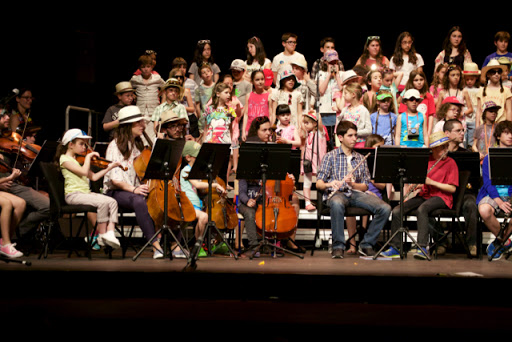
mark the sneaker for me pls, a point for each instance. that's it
(391, 252)
(94, 244)
(310, 207)
(337, 253)
(473, 250)
(421, 254)
(492, 247)
(110, 239)
(202, 253)
(157, 254)
(9, 251)
(220, 248)
(441, 250)
(179, 254)
(366, 251)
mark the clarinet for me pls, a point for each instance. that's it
(415, 186)
(350, 174)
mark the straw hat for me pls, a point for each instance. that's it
(438, 139)
(170, 116)
(123, 87)
(173, 82)
(129, 114)
(349, 75)
(471, 69)
(493, 64)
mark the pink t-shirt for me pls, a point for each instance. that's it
(257, 105)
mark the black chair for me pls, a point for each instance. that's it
(59, 208)
(456, 227)
(324, 210)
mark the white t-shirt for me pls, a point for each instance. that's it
(407, 67)
(281, 60)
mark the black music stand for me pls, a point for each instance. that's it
(468, 161)
(264, 161)
(165, 157)
(499, 173)
(211, 159)
(407, 165)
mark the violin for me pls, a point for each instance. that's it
(179, 207)
(99, 162)
(12, 142)
(223, 211)
(280, 215)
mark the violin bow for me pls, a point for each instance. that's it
(21, 139)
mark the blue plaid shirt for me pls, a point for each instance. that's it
(334, 167)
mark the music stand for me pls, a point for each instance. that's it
(264, 161)
(499, 173)
(165, 157)
(211, 158)
(468, 161)
(407, 165)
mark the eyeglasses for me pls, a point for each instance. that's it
(414, 99)
(27, 98)
(291, 42)
(372, 38)
(204, 41)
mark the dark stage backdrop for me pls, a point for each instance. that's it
(75, 59)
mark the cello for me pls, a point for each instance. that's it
(223, 211)
(179, 207)
(280, 215)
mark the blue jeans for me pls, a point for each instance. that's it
(379, 209)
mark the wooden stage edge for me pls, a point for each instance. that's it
(283, 297)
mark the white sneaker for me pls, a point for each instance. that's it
(157, 254)
(9, 251)
(110, 239)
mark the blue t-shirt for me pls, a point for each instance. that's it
(189, 190)
(383, 125)
(415, 123)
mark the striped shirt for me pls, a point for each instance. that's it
(335, 166)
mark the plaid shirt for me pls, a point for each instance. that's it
(334, 167)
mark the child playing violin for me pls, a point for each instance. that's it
(76, 183)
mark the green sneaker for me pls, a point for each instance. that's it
(202, 253)
(221, 248)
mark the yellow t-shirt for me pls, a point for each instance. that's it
(73, 182)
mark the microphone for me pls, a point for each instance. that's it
(8, 98)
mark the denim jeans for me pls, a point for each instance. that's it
(379, 209)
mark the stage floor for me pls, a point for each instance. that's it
(284, 296)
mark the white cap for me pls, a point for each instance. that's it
(72, 134)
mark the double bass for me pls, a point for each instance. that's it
(179, 207)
